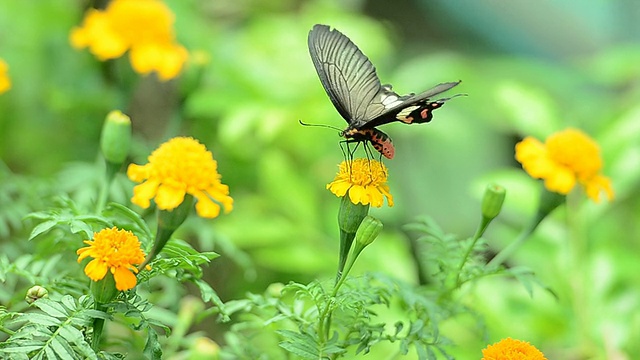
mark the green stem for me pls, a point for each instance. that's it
(110, 174)
(7, 330)
(479, 232)
(503, 255)
(98, 326)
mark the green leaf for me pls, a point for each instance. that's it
(302, 345)
(42, 319)
(51, 307)
(152, 349)
(42, 228)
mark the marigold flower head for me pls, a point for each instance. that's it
(567, 157)
(178, 167)
(144, 27)
(510, 349)
(365, 180)
(113, 250)
(5, 82)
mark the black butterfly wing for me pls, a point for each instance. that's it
(409, 108)
(347, 75)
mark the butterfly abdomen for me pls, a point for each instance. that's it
(379, 140)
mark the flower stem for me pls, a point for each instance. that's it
(479, 231)
(110, 174)
(98, 326)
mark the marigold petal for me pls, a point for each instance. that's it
(96, 269)
(358, 195)
(169, 196)
(220, 194)
(138, 173)
(205, 207)
(339, 187)
(375, 196)
(143, 193)
(598, 184)
(165, 59)
(125, 279)
(561, 181)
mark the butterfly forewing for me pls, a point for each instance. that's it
(346, 74)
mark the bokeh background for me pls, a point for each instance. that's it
(528, 67)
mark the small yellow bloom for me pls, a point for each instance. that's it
(5, 82)
(144, 27)
(113, 250)
(510, 349)
(566, 158)
(178, 167)
(365, 180)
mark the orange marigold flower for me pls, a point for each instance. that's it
(567, 157)
(510, 349)
(113, 250)
(144, 27)
(178, 167)
(5, 82)
(365, 180)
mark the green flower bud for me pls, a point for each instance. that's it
(35, 293)
(492, 201)
(350, 215)
(115, 139)
(104, 290)
(368, 231)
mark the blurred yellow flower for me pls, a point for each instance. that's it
(5, 82)
(510, 349)
(566, 158)
(365, 180)
(178, 167)
(116, 251)
(144, 27)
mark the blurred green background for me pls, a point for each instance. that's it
(529, 68)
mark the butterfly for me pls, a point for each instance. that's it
(353, 86)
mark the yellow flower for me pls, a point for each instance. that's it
(365, 180)
(116, 251)
(178, 167)
(510, 349)
(566, 158)
(144, 27)
(5, 82)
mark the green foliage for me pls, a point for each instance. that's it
(54, 332)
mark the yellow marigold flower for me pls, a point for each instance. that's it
(510, 349)
(365, 180)
(566, 158)
(164, 58)
(5, 82)
(116, 251)
(178, 167)
(144, 27)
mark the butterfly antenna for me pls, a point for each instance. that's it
(320, 125)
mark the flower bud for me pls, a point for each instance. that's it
(104, 290)
(350, 215)
(492, 201)
(35, 293)
(115, 139)
(368, 231)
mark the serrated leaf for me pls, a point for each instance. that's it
(74, 336)
(42, 319)
(62, 349)
(302, 345)
(21, 349)
(51, 307)
(152, 349)
(42, 228)
(77, 226)
(69, 302)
